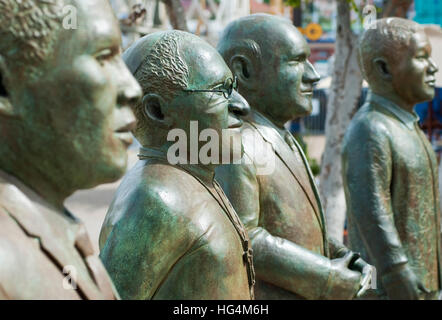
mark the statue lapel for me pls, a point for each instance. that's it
(28, 210)
(312, 182)
(283, 151)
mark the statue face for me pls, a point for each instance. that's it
(78, 112)
(413, 74)
(211, 109)
(287, 77)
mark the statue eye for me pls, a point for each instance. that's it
(219, 88)
(298, 59)
(422, 55)
(104, 55)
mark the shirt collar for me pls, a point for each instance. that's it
(407, 118)
(200, 171)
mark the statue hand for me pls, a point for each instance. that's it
(402, 284)
(345, 283)
(366, 270)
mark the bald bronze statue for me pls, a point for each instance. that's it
(170, 232)
(293, 256)
(65, 125)
(389, 167)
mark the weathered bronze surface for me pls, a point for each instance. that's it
(170, 232)
(282, 210)
(63, 121)
(389, 167)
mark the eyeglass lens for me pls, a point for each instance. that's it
(230, 85)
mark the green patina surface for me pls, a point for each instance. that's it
(65, 121)
(389, 167)
(170, 232)
(294, 257)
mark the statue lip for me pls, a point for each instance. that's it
(431, 82)
(130, 126)
(307, 90)
(124, 133)
(237, 124)
(125, 137)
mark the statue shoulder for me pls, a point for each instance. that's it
(151, 194)
(151, 216)
(154, 183)
(367, 124)
(168, 186)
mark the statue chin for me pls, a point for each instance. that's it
(114, 170)
(302, 110)
(429, 94)
(105, 172)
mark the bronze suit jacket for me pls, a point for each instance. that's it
(391, 186)
(170, 233)
(45, 254)
(282, 211)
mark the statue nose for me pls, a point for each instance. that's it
(130, 95)
(311, 75)
(433, 67)
(129, 91)
(238, 105)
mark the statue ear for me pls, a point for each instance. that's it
(382, 69)
(154, 106)
(6, 108)
(243, 68)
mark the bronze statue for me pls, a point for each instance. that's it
(389, 167)
(170, 232)
(293, 256)
(65, 125)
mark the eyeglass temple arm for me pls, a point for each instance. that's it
(202, 90)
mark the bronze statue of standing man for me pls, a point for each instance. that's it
(65, 122)
(170, 232)
(274, 191)
(389, 167)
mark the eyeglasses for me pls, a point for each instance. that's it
(226, 89)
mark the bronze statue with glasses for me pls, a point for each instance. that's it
(170, 232)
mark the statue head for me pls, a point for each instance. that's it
(270, 58)
(395, 59)
(184, 80)
(65, 115)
